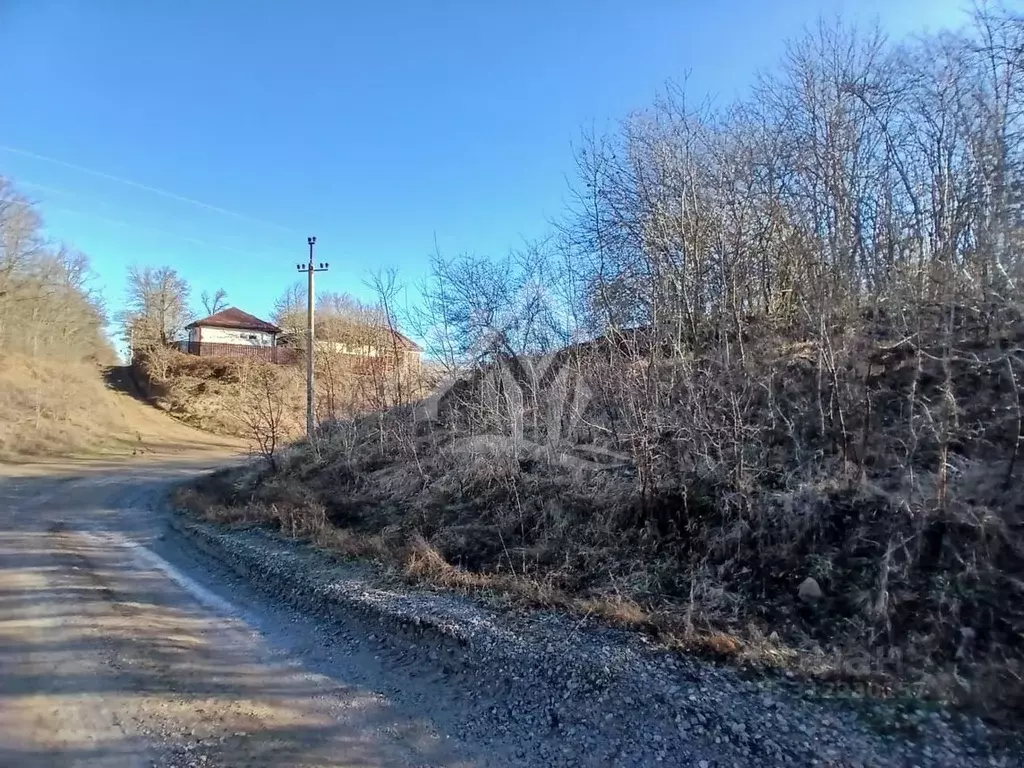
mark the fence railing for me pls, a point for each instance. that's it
(279, 355)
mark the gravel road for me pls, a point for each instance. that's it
(118, 649)
(122, 643)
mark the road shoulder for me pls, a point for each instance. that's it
(566, 687)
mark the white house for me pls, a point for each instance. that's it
(228, 328)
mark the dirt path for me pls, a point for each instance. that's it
(110, 655)
(154, 432)
(118, 647)
(121, 644)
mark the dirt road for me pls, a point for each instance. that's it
(121, 644)
(120, 647)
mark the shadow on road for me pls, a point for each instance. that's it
(103, 660)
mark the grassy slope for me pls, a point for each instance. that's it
(50, 409)
(209, 393)
(917, 587)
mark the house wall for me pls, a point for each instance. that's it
(367, 350)
(363, 350)
(410, 358)
(209, 335)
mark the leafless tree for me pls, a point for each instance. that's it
(156, 308)
(47, 308)
(290, 310)
(215, 303)
(264, 410)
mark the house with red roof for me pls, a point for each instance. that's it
(234, 333)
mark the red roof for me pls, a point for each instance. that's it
(412, 345)
(235, 318)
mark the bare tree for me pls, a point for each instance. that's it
(47, 308)
(215, 303)
(290, 309)
(349, 343)
(156, 308)
(264, 412)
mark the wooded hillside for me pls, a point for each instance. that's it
(760, 391)
(52, 341)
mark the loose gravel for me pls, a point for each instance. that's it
(551, 689)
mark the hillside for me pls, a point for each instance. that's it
(759, 391)
(709, 542)
(83, 410)
(60, 392)
(48, 408)
(248, 399)
(52, 345)
(214, 394)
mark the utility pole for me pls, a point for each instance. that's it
(310, 269)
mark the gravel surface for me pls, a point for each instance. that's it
(112, 655)
(545, 689)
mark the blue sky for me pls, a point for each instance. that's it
(376, 126)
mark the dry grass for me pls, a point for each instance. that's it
(50, 408)
(207, 392)
(215, 393)
(919, 565)
(414, 560)
(61, 409)
(411, 558)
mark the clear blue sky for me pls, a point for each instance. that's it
(373, 125)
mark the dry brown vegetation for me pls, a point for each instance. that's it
(361, 362)
(771, 342)
(52, 345)
(920, 583)
(265, 403)
(215, 394)
(49, 408)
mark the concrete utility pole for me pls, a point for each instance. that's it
(310, 269)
